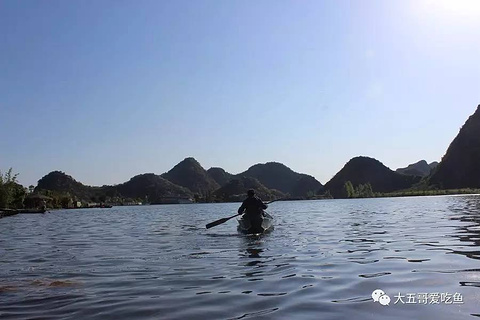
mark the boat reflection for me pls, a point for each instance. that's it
(254, 253)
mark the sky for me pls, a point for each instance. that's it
(105, 90)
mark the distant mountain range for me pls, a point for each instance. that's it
(365, 170)
(148, 186)
(459, 168)
(420, 168)
(189, 180)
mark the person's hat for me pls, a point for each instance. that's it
(251, 192)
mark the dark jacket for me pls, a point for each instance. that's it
(253, 206)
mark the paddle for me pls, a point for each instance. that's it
(220, 221)
(223, 220)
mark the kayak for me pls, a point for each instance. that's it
(245, 226)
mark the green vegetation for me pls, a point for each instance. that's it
(12, 194)
(421, 189)
(360, 191)
(348, 189)
(415, 193)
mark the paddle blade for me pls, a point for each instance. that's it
(216, 223)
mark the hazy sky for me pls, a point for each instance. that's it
(105, 90)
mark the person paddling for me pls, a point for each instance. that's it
(253, 208)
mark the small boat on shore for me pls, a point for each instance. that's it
(12, 212)
(31, 210)
(7, 212)
(244, 225)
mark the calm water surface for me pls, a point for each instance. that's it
(322, 261)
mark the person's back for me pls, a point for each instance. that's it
(253, 207)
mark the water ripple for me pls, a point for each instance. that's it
(323, 260)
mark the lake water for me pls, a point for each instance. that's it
(323, 261)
